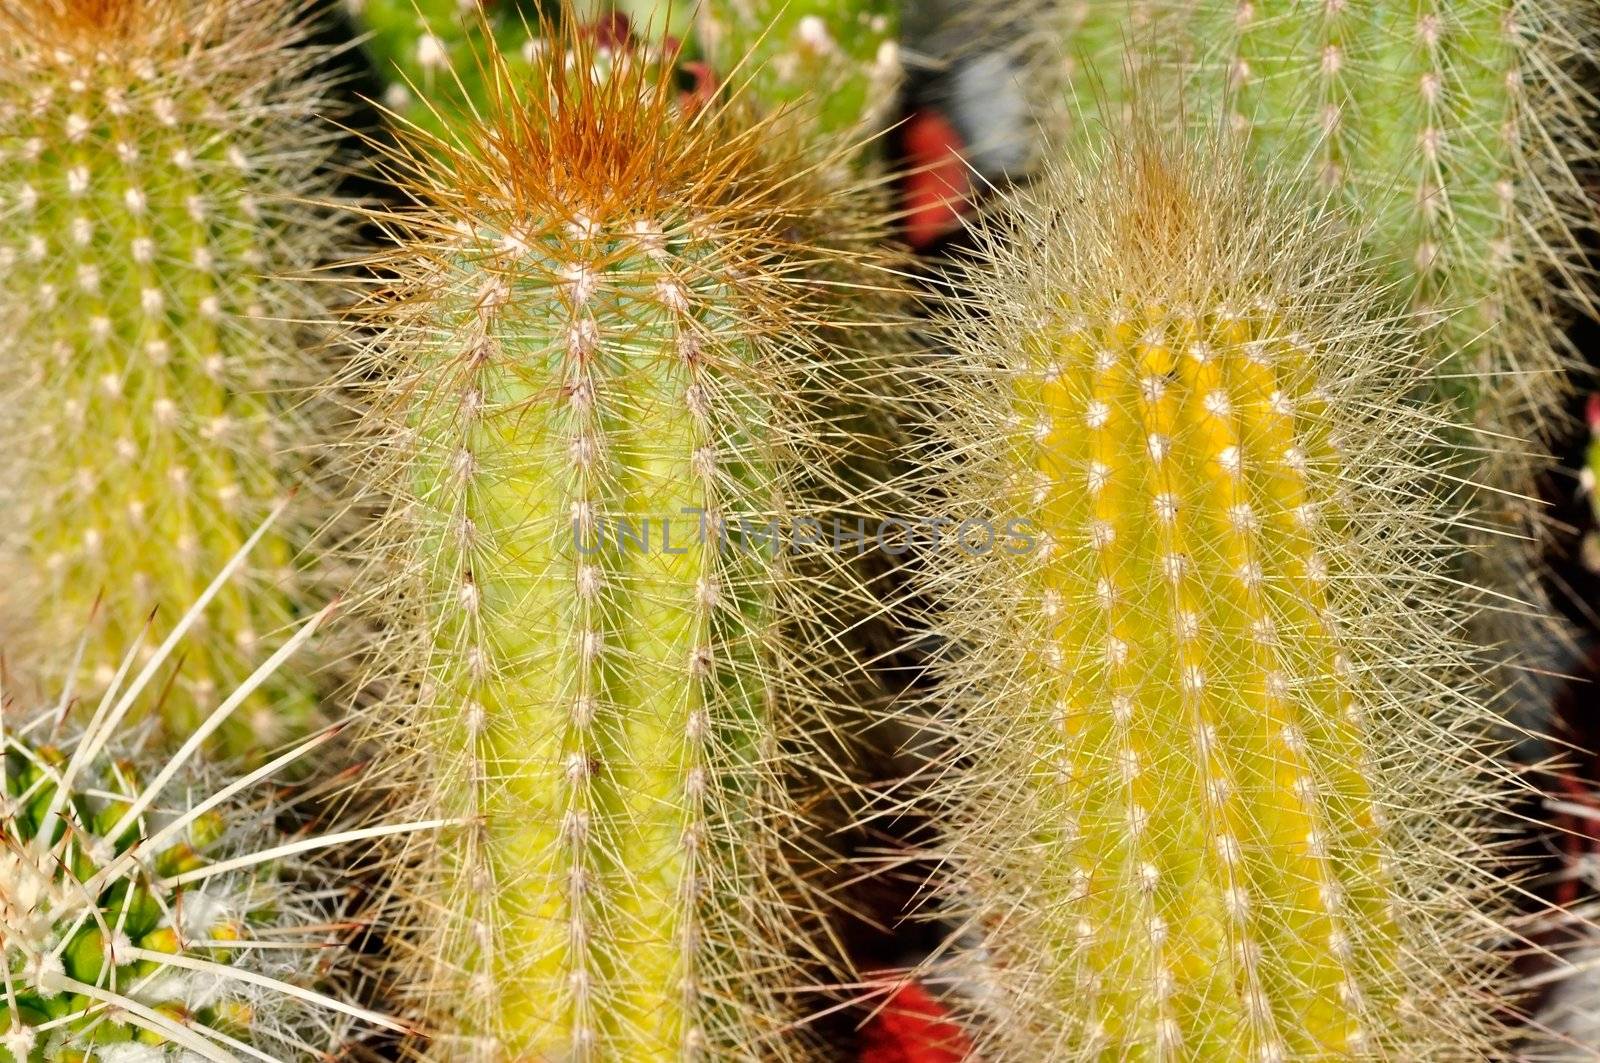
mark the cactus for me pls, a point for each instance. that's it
(1215, 783)
(155, 153)
(149, 909)
(595, 397)
(837, 60)
(1453, 131)
(423, 50)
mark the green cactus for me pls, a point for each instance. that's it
(596, 397)
(154, 153)
(1453, 131)
(423, 50)
(1215, 779)
(835, 59)
(150, 911)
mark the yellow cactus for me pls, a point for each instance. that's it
(1210, 697)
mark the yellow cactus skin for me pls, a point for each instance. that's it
(607, 320)
(1207, 703)
(152, 150)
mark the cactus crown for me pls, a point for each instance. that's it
(1217, 772)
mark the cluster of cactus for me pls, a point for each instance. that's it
(1456, 135)
(836, 59)
(617, 450)
(158, 156)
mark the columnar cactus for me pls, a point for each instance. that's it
(149, 909)
(1213, 786)
(596, 396)
(152, 156)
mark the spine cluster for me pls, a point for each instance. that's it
(152, 156)
(1200, 728)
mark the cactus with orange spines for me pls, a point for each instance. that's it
(157, 160)
(596, 388)
(1214, 777)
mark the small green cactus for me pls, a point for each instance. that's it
(596, 396)
(150, 910)
(423, 50)
(152, 158)
(838, 60)
(1215, 775)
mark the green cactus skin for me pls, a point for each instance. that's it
(150, 911)
(151, 153)
(1215, 786)
(1453, 131)
(608, 321)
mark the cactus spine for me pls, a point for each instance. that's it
(152, 153)
(1213, 790)
(599, 366)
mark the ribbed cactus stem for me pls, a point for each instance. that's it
(1419, 118)
(1209, 763)
(1176, 768)
(151, 147)
(597, 370)
(579, 661)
